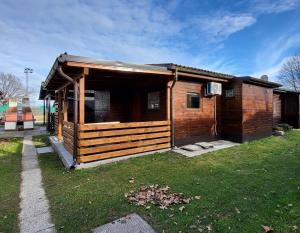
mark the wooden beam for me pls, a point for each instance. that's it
(168, 99)
(199, 76)
(117, 153)
(81, 99)
(116, 68)
(59, 112)
(65, 104)
(109, 125)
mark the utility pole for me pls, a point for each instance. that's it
(27, 71)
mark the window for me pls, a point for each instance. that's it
(229, 93)
(154, 100)
(193, 100)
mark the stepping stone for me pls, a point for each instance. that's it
(191, 148)
(204, 145)
(132, 223)
(44, 150)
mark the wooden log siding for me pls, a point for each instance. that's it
(68, 136)
(102, 141)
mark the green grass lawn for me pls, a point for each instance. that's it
(10, 178)
(241, 189)
(41, 140)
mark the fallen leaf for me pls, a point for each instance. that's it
(267, 229)
(237, 210)
(294, 228)
(181, 208)
(131, 180)
(209, 228)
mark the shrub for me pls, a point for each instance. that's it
(284, 127)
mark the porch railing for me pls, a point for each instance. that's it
(68, 135)
(102, 141)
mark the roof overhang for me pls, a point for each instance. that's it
(259, 82)
(284, 90)
(71, 61)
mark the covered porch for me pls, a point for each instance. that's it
(109, 109)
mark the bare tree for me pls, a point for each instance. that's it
(289, 74)
(10, 86)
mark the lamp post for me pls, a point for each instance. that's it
(27, 71)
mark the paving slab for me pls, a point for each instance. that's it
(205, 145)
(217, 145)
(44, 150)
(191, 147)
(34, 216)
(132, 223)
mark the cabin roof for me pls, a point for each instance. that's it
(194, 70)
(97, 63)
(286, 90)
(161, 69)
(259, 82)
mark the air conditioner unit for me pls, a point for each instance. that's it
(213, 88)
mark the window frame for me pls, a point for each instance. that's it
(187, 100)
(158, 99)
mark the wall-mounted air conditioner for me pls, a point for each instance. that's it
(213, 88)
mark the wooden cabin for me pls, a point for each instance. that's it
(108, 109)
(286, 107)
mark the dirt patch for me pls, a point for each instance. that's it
(3, 141)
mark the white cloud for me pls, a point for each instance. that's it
(221, 26)
(272, 71)
(274, 53)
(274, 6)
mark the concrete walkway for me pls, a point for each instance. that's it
(34, 216)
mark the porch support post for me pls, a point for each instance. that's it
(65, 104)
(44, 112)
(56, 114)
(172, 109)
(168, 104)
(59, 112)
(81, 95)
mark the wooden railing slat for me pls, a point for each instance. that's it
(112, 154)
(125, 145)
(119, 132)
(91, 142)
(87, 127)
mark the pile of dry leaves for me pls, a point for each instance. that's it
(156, 195)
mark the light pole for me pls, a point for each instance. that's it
(27, 71)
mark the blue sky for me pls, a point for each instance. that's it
(237, 37)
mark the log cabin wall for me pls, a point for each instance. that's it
(277, 108)
(192, 125)
(257, 105)
(232, 113)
